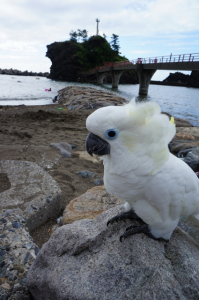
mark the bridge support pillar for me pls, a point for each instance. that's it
(144, 76)
(100, 77)
(115, 78)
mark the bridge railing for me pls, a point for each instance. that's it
(193, 57)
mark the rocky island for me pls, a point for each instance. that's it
(71, 60)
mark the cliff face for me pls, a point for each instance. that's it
(71, 60)
(194, 79)
(181, 79)
(65, 64)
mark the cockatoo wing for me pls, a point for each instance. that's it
(173, 191)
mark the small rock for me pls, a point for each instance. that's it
(34, 207)
(29, 246)
(184, 135)
(2, 220)
(6, 286)
(59, 220)
(16, 224)
(2, 253)
(8, 212)
(86, 156)
(177, 146)
(36, 250)
(2, 272)
(2, 264)
(18, 287)
(4, 297)
(98, 182)
(3, 280)
(83, 174)
(89, 205)
(26, 258)
(23, 281)
(190, 157)
(19, 268)
(192, 131)
(65, 148)
(16, 239)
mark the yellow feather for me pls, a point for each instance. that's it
(172, 121)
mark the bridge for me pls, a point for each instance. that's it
(146, 67)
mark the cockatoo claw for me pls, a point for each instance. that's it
(130, 215)
(133, 229)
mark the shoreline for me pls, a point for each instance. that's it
(46, 74)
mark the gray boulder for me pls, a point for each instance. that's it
(191, 157)
(86, 261)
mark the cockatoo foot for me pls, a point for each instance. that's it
(133, 229)
(130, 215)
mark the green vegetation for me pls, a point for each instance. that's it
(115, 42)
(80, 34)
(94, 51)
(72, 59)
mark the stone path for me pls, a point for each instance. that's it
(78, 97)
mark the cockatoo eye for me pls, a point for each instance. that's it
(111, 134)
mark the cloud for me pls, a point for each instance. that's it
(143, 26)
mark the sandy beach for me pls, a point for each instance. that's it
(26, 133)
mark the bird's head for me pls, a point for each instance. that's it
(129, 129)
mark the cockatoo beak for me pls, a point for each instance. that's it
(96, 145)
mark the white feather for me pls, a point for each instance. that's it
(141, 170)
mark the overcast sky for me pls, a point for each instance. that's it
(146, 28)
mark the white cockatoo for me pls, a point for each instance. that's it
(156, 186)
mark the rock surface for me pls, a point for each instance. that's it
(89, 205)
(85, 260)
(191, 157)
(192, 131)
(185, 138)
(32, 190)
(17, 252)
(28, 197)
(76, 97)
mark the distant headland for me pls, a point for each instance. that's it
(180, 79)
(22, 73)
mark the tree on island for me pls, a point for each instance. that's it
(115, 43)
(80, 34)
(73, 36)
(83, 34)
(104, 36)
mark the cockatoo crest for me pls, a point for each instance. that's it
(141, 129)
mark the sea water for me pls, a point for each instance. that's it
(180, 102)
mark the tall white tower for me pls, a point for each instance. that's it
(97, 20)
